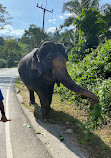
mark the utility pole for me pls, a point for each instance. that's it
(44, 11)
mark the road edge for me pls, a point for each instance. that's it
(49, 138)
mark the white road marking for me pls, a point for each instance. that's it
(7, 128)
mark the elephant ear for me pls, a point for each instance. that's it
(36, 65)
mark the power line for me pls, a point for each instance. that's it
(46, 4)
(44, 11)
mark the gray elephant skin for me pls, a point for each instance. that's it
(42, 68)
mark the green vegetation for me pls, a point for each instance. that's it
(93, 73)
(4, 16)
(88, 46)
(11, 52)
(73, 116)
(91, 23)
(75, 7)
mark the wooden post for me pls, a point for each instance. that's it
(44, 11)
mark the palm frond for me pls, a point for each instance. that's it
(85, 3)
(69, 21)
(95, 3)
(72, 6)
(75, 7)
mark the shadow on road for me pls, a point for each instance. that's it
(93, 146)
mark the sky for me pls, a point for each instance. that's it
(25, 13)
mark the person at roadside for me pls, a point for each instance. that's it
(3, 119)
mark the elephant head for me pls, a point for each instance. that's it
(50, 63)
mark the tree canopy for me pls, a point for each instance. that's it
(75, 7)
(4, 16)
(91, 23)
(34, 36)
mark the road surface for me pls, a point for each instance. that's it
(18, 141)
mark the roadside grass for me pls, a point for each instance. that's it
(96, 144)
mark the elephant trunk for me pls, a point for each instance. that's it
(61, 74)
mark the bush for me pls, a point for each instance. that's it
(10, 62)
(104, 92)
(93, 73)
(3, 63)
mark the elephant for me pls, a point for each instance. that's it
(42, 68)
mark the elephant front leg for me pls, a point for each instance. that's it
(45, 105)
(32, 98)
(45, 96)
(45, 108)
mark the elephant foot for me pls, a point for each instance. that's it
(37, 113)
(46, 115)
(42, 114)
(44, 118)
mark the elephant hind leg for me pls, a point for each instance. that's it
(32, 98)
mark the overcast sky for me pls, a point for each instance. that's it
(25, 13)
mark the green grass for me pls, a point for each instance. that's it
(96, 144)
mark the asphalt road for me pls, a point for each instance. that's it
(18, 141)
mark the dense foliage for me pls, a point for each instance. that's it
(11, 52)
(75, 7)
(91, 23)
(93, 73)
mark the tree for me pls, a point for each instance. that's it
(67, 38)
(3, 63)
(56, 36)
(106, 13)
(11, 52)
(34, 36)
(4, 16)
(2, 41)
(91, 23)
(75, 8)
(23, 48)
